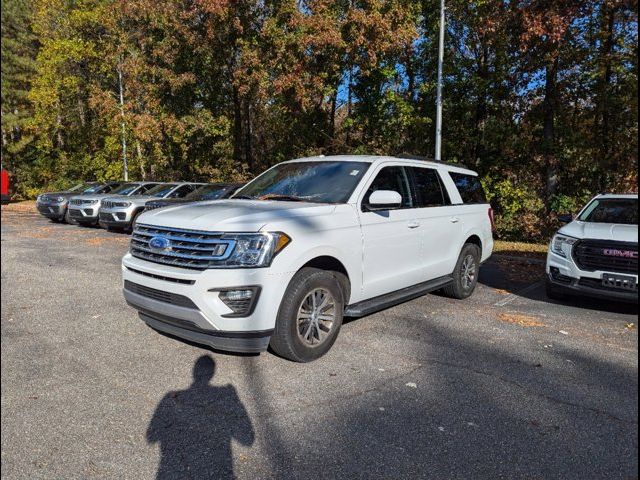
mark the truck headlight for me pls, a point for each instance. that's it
(561, 245)
(253, 249)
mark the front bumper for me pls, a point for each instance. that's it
(116, 217)
(191, 308)
(55, 211)
(564, 276)
(82, 214)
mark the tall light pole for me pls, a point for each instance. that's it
(124, 128)
(438, 155)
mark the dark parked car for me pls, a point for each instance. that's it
(211, 191)
(55, 205)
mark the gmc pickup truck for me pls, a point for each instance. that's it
(305, 244)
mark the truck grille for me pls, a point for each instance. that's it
(153, 206)
(184, 248)
(160, 295)
(592, 255)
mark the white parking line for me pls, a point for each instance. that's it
(512, 296)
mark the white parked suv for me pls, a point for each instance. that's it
(304, 244)
(596, 254)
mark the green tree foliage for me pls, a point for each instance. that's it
(540, 96)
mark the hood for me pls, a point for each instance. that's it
(601, 231)
(232, 215)
(173, 201)
(93, 196)
(61, 194)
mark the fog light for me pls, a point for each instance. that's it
(241, 300)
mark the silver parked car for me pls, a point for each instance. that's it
(84, 208)
(118, 212)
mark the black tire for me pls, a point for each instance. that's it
(135, 216)
(461, 288)
(68, 219)
(552, 292)
(286, 340)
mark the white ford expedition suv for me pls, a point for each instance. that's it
(304, 244)
(596, 255)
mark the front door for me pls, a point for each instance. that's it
(391, 238)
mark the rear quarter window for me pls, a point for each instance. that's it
(469, 187)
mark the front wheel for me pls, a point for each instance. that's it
(68, 219)
(310, 315)
(465, 275)
(552, 292)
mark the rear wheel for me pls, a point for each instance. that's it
(465, 275)
(310, 315)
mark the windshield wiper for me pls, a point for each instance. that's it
(286, 198)
(242, 197)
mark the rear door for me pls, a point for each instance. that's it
(440, 227)
(391, 238)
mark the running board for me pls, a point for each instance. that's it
(387, 300)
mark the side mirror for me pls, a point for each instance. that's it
(384, 200)
(567, 218)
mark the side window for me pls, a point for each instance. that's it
(469, 187)
(392, 178)
(428, 188)
(181, 191)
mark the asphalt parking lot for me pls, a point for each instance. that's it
(504, 385)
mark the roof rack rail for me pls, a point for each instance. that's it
(408, 156)
(618, 193)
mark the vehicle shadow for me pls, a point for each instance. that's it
(195, 428)
(526, 279)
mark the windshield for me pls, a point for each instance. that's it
(161, 190)
(94, 188)
(623, 211)
(80, 187)
(208, 192)
(126, 189)
(318, 182)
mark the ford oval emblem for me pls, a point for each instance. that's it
(160, 243)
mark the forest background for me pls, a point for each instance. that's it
(540, 97)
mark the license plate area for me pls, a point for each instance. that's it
(621, 282)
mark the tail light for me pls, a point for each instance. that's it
(492, 220)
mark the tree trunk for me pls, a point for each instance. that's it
(237, 127)
(605, 82)
(143, 167)
(549, 136)
(248, 136)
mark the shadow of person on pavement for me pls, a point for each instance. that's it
(195, 427)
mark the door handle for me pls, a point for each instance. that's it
(454, 219)
(413, 224)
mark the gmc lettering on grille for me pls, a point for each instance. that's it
(610, 252)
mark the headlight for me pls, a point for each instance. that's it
(93, 202)
(252, 249)
(561, 245)
(60, 199)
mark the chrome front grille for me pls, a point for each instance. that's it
(181, 248)
(114, 204)
(80, 201)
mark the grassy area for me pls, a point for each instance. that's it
(532, 250)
